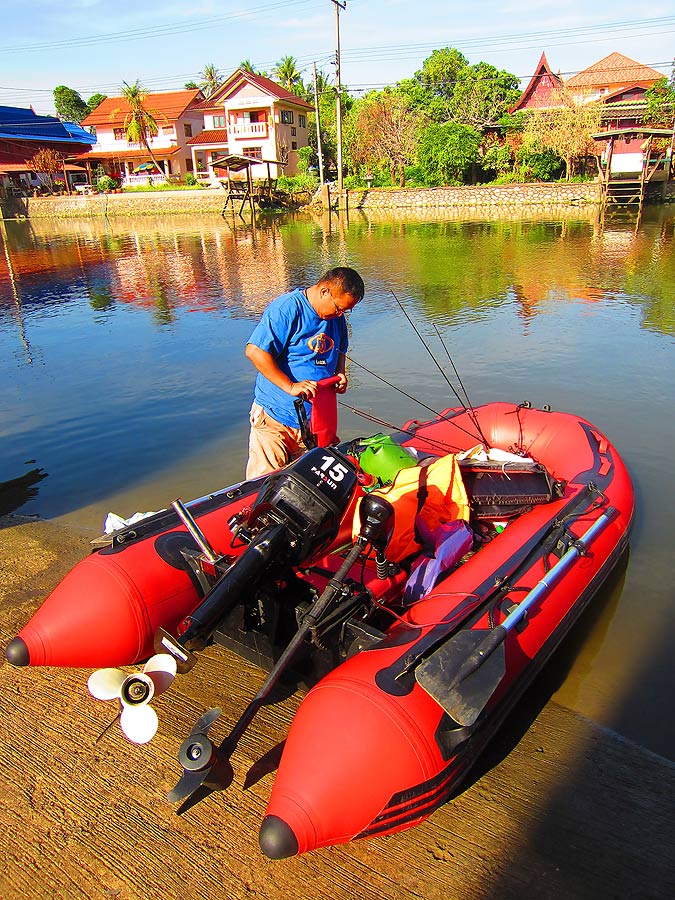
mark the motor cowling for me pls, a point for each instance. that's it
(309, 497)
(296, 515)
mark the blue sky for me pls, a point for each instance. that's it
(94, 45)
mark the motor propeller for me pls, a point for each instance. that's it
(205, 767)
(134, 691)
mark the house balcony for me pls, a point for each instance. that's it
(247, 130)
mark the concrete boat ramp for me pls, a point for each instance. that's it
(558, 808)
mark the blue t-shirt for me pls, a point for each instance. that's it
(304, 346)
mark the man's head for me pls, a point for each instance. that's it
(339, 290)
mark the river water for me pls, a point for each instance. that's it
(124, 381)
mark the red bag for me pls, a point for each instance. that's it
(323, 420)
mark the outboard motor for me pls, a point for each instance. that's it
(296, 515)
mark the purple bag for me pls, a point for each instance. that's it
(442, 548)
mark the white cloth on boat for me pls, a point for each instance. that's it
(494, 454)
(113, 522)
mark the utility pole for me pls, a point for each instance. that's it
(318, 128)
(338, 108)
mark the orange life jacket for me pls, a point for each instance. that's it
(434, 492)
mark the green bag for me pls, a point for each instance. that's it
(380, 456)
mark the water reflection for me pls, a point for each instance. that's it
(121, 358)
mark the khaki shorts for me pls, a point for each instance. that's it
(271, 445)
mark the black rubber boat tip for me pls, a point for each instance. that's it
(276, 838)
(16, 652)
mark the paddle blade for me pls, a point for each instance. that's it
(463, 690)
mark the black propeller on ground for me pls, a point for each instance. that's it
(205, 769)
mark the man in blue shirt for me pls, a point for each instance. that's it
(300, 339)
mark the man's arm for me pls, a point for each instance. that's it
(266, 364)
(341, 386)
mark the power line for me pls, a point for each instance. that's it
(505, 43)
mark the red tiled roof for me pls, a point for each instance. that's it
(265, 84)
(129, 154)
(614, 69)
(6, 168)
(164, 107)
(214, 136)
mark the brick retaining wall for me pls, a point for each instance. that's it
(513, 196)
(504, 199)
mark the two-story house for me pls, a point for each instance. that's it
(179, 118)
(252, 116)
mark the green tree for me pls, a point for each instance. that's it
(191, 86)
(482, 94)
(446, 152)
(567, 129)
(211, 80)
(328, 117)
(661, 101)
(96, 100)
(431, 88)
(286, 72)
(69, 105)
(140, 123)
(247, 66)
(385, 129)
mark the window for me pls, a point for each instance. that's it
(167, 129)
(287, 116)
(188, 129)
(219, 121)
(302, 120)
(188, 164)
(294, 131)
(253, 152)
(119, 134)
(294, 145)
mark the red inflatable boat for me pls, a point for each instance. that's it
(419, 610)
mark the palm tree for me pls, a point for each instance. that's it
(247, 66)
(287, 73)
(211, 80)
(140, 123)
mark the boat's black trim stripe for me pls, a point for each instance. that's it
(409, 805)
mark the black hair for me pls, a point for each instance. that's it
(348, 280)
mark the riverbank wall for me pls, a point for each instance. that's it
(503, 198)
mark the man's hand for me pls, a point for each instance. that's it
(341, 386)
(306, 389)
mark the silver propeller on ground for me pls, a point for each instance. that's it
(138, 719)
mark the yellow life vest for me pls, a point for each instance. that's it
(435, 492)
